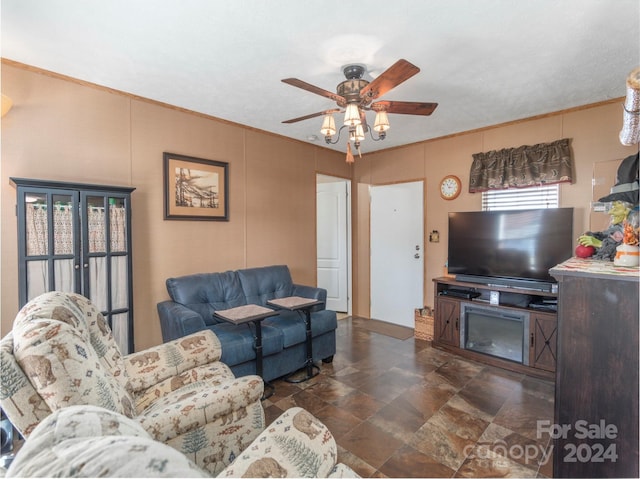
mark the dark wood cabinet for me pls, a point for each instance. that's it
(540, 347)
(596, 402)
(446, 324)
(77, 238)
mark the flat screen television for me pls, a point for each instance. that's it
(511, 248)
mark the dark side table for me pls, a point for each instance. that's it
(255, 314)
(303, 305)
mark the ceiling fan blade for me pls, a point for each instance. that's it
(312, 115)
(405, 107)
(317, 90)
(400, 71)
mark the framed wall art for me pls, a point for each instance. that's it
(195, 189)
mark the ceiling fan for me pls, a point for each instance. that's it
(356, 95)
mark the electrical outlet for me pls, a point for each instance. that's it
(494, 297)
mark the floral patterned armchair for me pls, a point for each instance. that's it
(61, 353)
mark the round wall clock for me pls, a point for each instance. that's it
(450, 187)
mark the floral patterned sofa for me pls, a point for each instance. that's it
(88, 441)
(61, 353)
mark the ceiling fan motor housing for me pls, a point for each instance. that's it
(352, 72)
(350, 89)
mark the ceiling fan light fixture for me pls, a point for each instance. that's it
(358, 134)
(328, 125)
(381, 123)
(355, 95)
(352, 115)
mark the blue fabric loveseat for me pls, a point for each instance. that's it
(194, 299)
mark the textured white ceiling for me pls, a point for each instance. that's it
(484, 61)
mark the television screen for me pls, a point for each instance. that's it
(514, 245)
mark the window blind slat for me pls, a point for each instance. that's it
(546, 196)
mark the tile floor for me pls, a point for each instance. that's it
(400, 408)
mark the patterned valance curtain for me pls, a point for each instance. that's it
(545, 163)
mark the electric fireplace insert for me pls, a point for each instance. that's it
(498, 332)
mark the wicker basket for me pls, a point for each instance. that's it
(424, 325)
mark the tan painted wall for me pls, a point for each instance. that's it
(64, 130)
(594, 137)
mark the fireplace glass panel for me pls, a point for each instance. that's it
(495, 333)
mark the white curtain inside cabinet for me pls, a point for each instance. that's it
(37, 244)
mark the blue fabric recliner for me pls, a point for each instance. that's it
(194, 299)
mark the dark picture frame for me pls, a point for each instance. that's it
(195, 188)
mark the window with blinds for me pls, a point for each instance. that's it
(535, 197)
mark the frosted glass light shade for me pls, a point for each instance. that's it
(352, 115)
(359, 133)
(381, 122)
(328, 126)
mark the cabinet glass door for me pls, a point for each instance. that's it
(51, 242)
(65, 242)
(107, 261)
(119, 253)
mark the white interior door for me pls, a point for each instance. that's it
(397, 260)
(333, 240)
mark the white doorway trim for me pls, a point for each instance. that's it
(336, 225)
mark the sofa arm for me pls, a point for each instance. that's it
(88, 441)
(176, 320)
(311, 292)
(179, 412)
(149, 367)
(296, 444)
(18, 391)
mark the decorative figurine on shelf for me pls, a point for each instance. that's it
(623, 197)
(605, 242)
(628, 253)
(627, 187)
